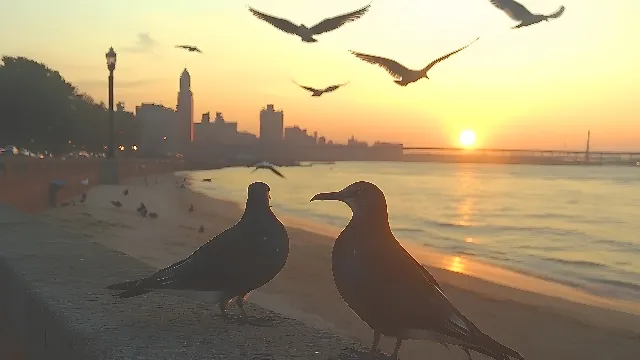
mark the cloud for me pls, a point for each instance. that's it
(144, 44)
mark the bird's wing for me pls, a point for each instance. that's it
(335, 22)
(557, 14)
(275, 171)
(282, 24)
(333, 87)
(394, 68)
(515, 10)
(196, 49)
(308, 88)
(436, 61)
(182, 46)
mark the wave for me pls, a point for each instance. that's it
(582, 263)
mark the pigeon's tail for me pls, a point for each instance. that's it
(485, 345)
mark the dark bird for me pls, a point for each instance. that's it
(305, 33)
(318, 92)
(83, 198)
(518, 12)
(116, 203)
(266, 165)
(142, 209)
(201, 229)
(403, 75)
(191, 208)
(232, 264)
(153, 215)
(388, 289)
(189, 48)
(125, 192)
(206, 180)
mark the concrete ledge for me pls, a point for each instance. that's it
(52, 291)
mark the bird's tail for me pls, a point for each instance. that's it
(485, 345)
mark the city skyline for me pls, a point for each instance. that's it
(540, 87)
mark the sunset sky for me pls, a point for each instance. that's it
(542, 86)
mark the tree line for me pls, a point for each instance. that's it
(41, 111)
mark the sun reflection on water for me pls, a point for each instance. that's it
(456, 264)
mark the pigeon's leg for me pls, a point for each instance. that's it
(243, 314)
(374, 345)
(396, 349)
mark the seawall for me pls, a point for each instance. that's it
(52, 291)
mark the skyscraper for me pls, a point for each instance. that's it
(185, 110)
(271, 125)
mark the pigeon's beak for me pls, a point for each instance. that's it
(334, 195)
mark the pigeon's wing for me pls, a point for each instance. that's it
(436, 61)
(394, 68)
(335, 22)
(275, 171)
(557, 14)
(333, 87)
(308, 88)
(282, 24)
(515, 10)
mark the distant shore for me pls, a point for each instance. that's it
(539, 326)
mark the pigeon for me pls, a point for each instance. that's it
(83, 198)
(116, 203)
(201, 229)
(403, 75)
(266, 165)
(142, 210)
(153, 215)
(125, 192)
(84, 182)
(189, 48)
(518, 12)
(206, 180)
(191, 208)
(391, 291)
(318, 92)
(232, 264)
(305, 33)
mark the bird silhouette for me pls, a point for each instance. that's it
(518, 12)
(189, 48)
(83, 198)
(305, 33)
(232, 264)
(388, 289)
(266, 165)
(402, 74)
(319, 92)
(206, 180)
(125, 192)
(142, 210)
(116, 203)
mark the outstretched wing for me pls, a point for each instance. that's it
(196, 49)
(557, 14)
(434, 62)
(515, 10)
(282, 24)
(308, 88)
(182, 46)
(334, 87)
(333, 23)
(394, 68)
(276, 171)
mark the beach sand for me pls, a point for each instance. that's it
(538, 326)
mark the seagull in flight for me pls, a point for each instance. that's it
(518, 12)
(266, 165)
(305, 33)
(319, 92)
(189, 48)
(401, 73)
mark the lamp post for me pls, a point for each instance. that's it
(111, 65)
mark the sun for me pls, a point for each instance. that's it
(467, 138)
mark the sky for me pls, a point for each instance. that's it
(542, 86)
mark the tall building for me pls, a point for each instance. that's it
(185, 111)
(159, 127)
(271, 125)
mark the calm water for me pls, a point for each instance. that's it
(574, 225)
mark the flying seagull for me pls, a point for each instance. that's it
(403, 75)
(266, 165)
(518, 12)
(189, 48)
(232, 264)
(368, 261)
(305, 33)
(318, 92)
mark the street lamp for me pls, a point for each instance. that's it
(111, 65)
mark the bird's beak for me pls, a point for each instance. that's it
(334, 195)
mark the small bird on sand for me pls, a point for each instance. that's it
(83, 198)
(319, 92)
(388, 289)
(125, 192)
(235, 262)
(189, 48)
(153, 215)
(207, 180)
(116, 203)
(142, 209)
(266, 165)
(305, 33)
(518, 12)
(402, 74)
(191, 208)
(201, 229)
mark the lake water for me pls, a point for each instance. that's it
(570, 224)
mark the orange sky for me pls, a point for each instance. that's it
(537, 87)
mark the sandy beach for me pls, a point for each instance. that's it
(538, 326)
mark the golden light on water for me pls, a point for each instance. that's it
(456, 264)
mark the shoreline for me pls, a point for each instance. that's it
(539, 326)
